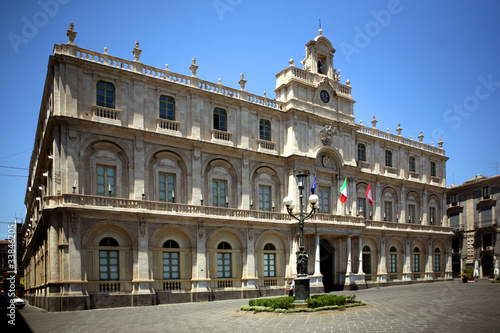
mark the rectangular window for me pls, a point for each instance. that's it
(454, 199)
(105, 94)
(455, 220)
(392, 263)
(167, 107)
(166, 186)
(412, 167)
(361, 152)
(433, 169)
(432, 215)
(437, 262)
(171, 265)
(265, 198)
(105, 180)
(108, 265)
(387, 210)
(411, 214)
(416, 262)
(486, 192)
(220, 119)
(219, 193)
(324, 200)
(265, 130)
(388, 158)
(361, 206)
(269, 265)
(223, 265)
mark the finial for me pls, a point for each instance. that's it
(387, 129)
(136, 51)
(399, 129)
(105, 50)
(71, 34)
(290, 61)
(348, 82)
(361, 121)
(242, 81)
(166, 68)
(193, 67)
(421, 137)
(374, 122)
(320, 31)
(265, 94)
(440, 143)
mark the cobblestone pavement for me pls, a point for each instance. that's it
(450, 306)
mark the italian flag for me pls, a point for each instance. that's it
(343, 192)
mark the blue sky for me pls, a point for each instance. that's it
(433, 66)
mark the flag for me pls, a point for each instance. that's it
(313, 186)
(369, 194)
(343, 192)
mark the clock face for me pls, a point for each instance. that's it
(325, 97)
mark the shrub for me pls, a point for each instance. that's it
(326, 300)
(274, 303)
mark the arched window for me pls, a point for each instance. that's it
(361, 152)
(367, 260)
(416, 259)
(167, 107)
(388, 158)
(220, 119)
(108, 241)
(265, 130)
(269, 261)
(105, 94)
(224, 261)
(108, 260)
(437, 260)
(393, 256)
(171, 261)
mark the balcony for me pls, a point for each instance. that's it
(485, 224)
(267, 146)
(167, 126)
(222, 137)
(106, 115)
(121, 205)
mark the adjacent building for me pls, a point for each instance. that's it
(148, 186)
(472, 212)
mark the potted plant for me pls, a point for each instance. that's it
(467, 275)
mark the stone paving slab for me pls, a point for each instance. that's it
(450, 306)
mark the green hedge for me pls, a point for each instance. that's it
(318, 301)
(274, 303)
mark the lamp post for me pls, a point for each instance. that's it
(302, 289)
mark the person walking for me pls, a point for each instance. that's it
(291, 287)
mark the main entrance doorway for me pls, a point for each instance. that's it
(326, 253)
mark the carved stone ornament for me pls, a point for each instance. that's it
(142, 226)
(71, 34)
(325, 160)
(74, 224)
(136, 51)
(328, 131)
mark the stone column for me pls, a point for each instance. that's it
(428, 267)
(200, 281)
(360, 267)
(407, 269)
(142, 283)
(378, 201)
(249, 271)
(348, 269)
(382, 266)
(317, 259)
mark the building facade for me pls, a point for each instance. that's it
(472, 212)
(148, 186)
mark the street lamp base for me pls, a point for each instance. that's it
(302, 289)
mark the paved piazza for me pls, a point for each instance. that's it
(450, 306)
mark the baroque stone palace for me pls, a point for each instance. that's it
(148, 186)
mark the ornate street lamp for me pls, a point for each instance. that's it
(302, 289)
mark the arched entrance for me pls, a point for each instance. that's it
(326, 253)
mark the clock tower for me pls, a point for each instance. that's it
(316, 87)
